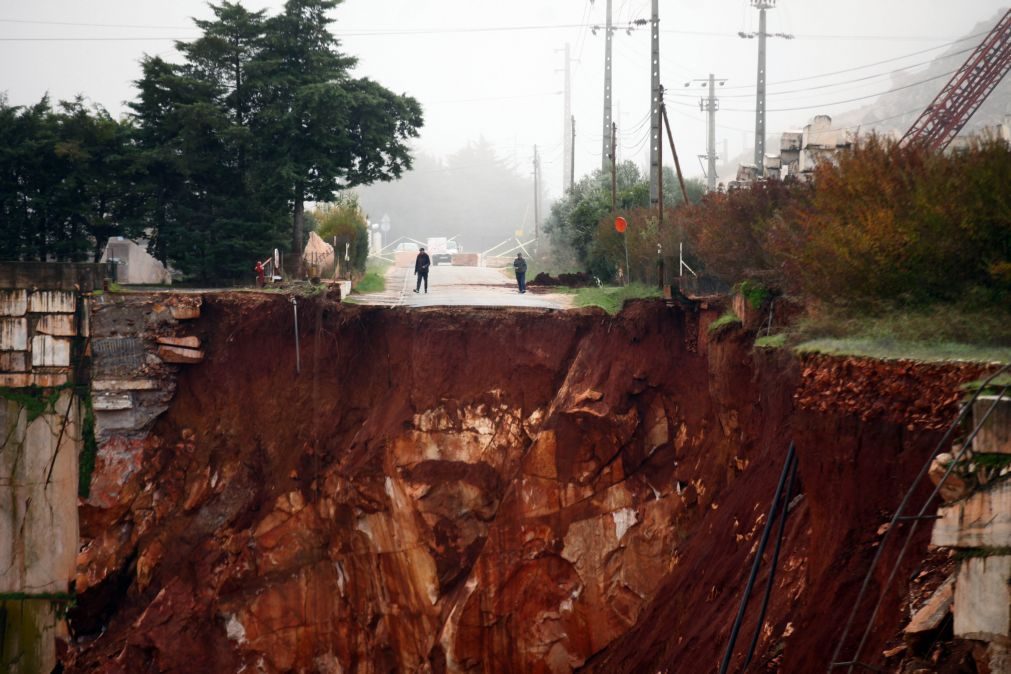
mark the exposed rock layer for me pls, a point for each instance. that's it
(487, 491)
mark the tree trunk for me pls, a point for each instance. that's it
(297, 223)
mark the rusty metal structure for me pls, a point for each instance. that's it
(965, 91)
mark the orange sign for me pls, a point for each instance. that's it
(620, 224)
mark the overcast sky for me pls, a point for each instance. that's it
(495, 69)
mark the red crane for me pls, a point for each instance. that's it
(965, 92)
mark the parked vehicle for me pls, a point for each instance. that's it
(441, 250)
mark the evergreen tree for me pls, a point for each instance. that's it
(323, 131)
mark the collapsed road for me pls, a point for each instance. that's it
(461, 286)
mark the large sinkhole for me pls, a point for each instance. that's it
(486, 490)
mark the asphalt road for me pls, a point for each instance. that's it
(460, 286)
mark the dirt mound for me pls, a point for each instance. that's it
(480, 490)
(576, 280)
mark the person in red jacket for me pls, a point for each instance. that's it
(260, 280)
(421, 265)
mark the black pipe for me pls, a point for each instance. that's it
(758, 560)
(775, 563)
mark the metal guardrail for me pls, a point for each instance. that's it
(854, 661)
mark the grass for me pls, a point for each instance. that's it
(771, 341)
(612, 299)
(725, 321)
(892, 350)
(374, 280)
(994, 387)
(113, 288)
(929, 334)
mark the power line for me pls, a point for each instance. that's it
(93, 25)
(843, 82)
(494, 98)
(868, 65)
(852, 100)
(96, 39)
(380, 32)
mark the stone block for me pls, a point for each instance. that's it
(125, 385)
(52, 302)
(38, 525)
(13, 334)
(954, 486)
(59, 325)
(13, 361)
(982, 520)
(176, 354)
(466, 259)
(13, 302)
(982, 600)
(107, 402)
(20, 380)
(928, 618)
(49, 351)
(185, 308)
(50, 379)
(189, 342)
(127, 419)
(994, 437)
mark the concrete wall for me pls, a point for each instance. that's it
(37, 329)
(40, 317)
(52, 275)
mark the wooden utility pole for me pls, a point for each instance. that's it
(673, 150)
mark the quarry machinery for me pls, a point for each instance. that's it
(965, 91)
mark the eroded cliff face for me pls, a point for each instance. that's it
(486, 491)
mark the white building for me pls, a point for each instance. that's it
(134, 265)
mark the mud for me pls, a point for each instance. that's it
(490, 491)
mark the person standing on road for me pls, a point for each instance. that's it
(520, 265)
(421, 265)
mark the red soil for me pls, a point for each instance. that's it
(494, 490)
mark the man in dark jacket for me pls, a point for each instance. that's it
(520, 265)
(421, 265)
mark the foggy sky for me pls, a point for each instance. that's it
(505, 85)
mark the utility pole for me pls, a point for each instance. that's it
(569, 129)
(608, 38)
(761, 6)
(710, 105)
(617, 154)
(572, 157)
(537, 194)
(614, 167)
(655, 93)
(659, 168)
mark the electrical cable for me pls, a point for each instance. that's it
(835, 84)
(865, 66)
(850, 100)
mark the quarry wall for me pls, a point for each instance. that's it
(489, 490)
